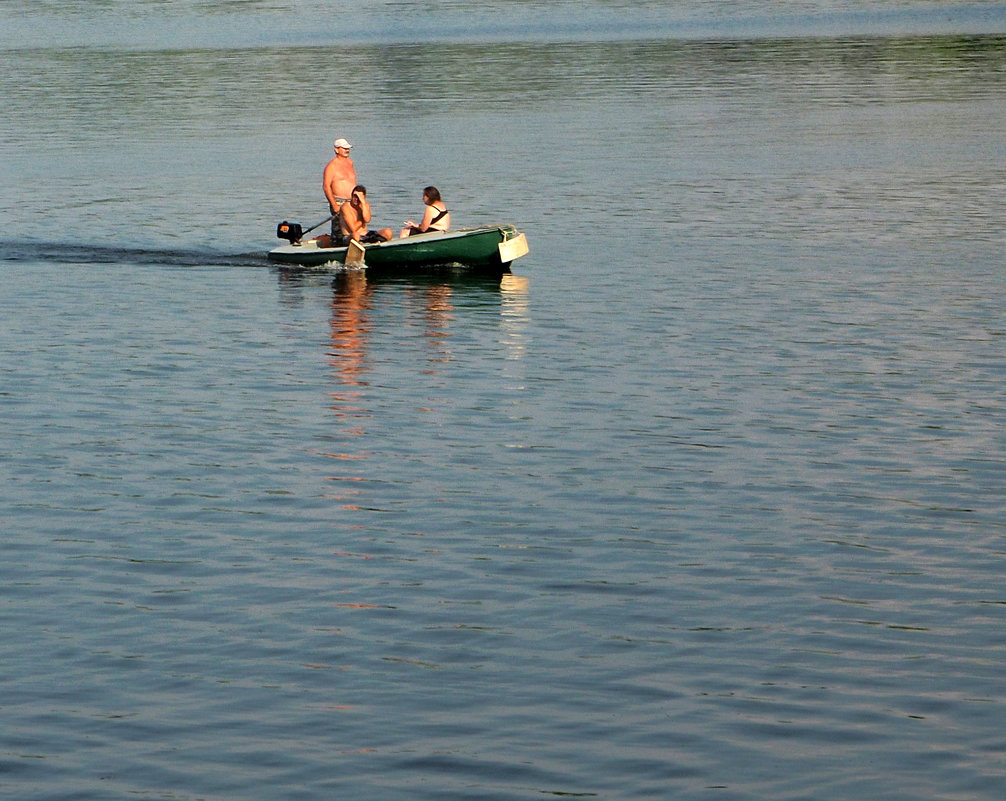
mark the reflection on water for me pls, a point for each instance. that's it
(373, 321)
(431, 301)
(514, 314)
(437, 317)
(350, 331)
(351, 303)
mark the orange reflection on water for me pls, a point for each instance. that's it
(432, 307)
(350, 327)
(350, 323)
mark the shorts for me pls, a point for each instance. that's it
(336, 230)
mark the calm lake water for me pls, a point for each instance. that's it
(705, 501)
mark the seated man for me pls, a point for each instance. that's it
(353, 218)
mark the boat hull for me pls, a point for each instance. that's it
(486, 248)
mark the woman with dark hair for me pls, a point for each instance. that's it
(436, 217)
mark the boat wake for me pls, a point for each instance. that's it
(97, 254)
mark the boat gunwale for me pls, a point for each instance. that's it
(308, 254)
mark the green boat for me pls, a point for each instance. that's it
(488, 248)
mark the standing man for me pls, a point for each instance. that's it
(338, 181)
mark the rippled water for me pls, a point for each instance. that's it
(704, 501)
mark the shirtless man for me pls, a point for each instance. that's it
(354, 216)
(338, 181)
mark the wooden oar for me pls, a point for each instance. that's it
(354, 253)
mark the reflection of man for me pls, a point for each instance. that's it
(338, 181)
(350, 338)
(354, 216)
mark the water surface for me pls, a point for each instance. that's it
(705, 500)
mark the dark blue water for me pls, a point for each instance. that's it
(705, 500)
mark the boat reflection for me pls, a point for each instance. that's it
(514, 315)
(392, 316)
(350, 327)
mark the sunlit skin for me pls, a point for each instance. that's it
(354, 216)
(339, 179)
(433, 207)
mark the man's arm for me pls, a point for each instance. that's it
(327, 182)
(351, 223)
(364, 210)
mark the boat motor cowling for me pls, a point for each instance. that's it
(292, 232)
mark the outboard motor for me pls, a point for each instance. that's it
(292, 232)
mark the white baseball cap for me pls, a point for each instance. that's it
(343, 143)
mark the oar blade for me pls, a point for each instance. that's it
(355, 253)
